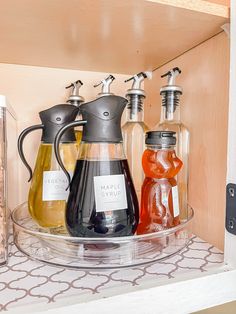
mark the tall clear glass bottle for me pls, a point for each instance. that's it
(3, 205)
(134, 130)
(171, 121)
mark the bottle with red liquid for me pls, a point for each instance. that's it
(159, 201)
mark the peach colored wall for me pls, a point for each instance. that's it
(32, 89)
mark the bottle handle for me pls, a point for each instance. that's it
(57, 144)
(20, 146)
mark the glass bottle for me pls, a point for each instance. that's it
(4, 215)
(159, 202)
(76, 99)
(102, 200)
(170, 121)
(47, 194)
(134, 129)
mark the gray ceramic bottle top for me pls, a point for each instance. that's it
(103, 117)
(54, 118)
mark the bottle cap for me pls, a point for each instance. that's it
(103, 117)
(161, 138)
(56, 117)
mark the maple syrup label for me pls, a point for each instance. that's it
(175, 197)
(110, 193)
(54, 186)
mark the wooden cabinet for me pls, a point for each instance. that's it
(46, 44)
(106, 36)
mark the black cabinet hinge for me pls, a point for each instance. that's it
(230, 221)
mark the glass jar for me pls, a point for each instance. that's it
(159, 199)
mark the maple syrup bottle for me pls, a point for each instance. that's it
(159, 200)
(102, 201)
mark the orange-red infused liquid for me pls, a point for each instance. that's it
(159, 199)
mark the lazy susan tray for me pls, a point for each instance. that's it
(95, 253)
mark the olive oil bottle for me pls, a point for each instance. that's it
(47, 195)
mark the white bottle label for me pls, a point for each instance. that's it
(54, 186)
(175, 197)
(110, 193)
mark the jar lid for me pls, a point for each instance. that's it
(165, 138)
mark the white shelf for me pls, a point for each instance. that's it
(32, 285)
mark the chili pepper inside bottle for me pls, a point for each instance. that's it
(159, 200)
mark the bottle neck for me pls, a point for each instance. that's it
(134, 115)
(135, 108)
(160, 147)
(170, 105)
(170, 113)
(101, 151)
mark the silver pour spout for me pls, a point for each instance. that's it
(136, 94)
(137, 80)
(172, 74)
(171, 93)
(75, 99)
(106, 83)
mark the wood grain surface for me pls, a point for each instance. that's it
(204, 108)
(123, 36)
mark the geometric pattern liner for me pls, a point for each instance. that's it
(24, 281)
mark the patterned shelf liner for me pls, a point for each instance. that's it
(26, 282)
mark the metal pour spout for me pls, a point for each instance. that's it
(171, 93)
(136, 94)
(106, 83)
(75, 99)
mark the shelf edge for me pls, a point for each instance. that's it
(197, 6)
